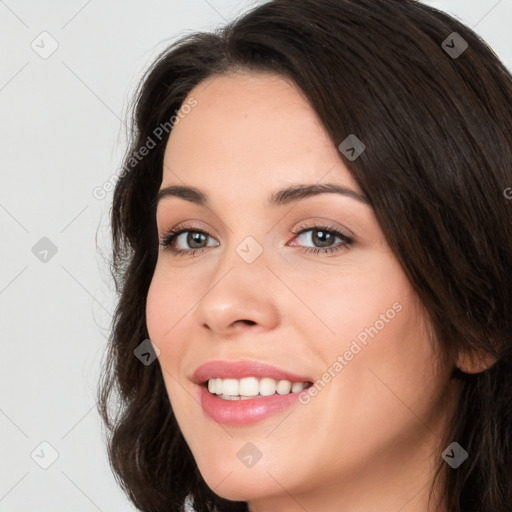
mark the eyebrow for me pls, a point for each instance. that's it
(278, 198)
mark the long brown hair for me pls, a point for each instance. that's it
(437, 127)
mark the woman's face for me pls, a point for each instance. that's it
(329, 305)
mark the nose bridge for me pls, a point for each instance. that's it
(246, 237)
(242, 269)
(239, 290)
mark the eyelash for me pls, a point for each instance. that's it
(169, 239)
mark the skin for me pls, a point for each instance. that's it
(372, 437)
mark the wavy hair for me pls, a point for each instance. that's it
(437, 170)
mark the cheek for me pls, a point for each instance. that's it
(343, 304)
(170, 303)
(154, 309)
(165, 320)
(372, 320)
(166, 304)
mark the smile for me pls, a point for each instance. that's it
(246, 392)
(250, 387)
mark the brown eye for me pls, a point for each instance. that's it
(192, 238)
(322, 238)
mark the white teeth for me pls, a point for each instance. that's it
(284, 386)
(229, 387)
(267, 386)
(248, 387)
(298, 386)
(218, 386)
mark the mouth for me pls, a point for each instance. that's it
(246, 392)
(250, 388)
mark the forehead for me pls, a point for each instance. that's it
(250, 128)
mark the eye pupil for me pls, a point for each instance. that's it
(324, 237)
(195, 237)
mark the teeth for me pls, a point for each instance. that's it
(298, 386)
(229, 386)
(267, 386)
(248, 387)
(284, 386)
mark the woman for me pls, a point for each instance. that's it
(313, 230)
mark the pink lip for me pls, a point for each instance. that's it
(243, 412)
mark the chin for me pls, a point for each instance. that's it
(237, 483)
(245, 486)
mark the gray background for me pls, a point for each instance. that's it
(62, 137)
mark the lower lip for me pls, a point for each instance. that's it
(244, 412)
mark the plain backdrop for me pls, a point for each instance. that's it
(67, 73)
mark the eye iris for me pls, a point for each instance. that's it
(195, 237)
(323, 238)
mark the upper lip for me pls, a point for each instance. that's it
(241, 369)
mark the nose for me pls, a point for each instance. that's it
(239, 297)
